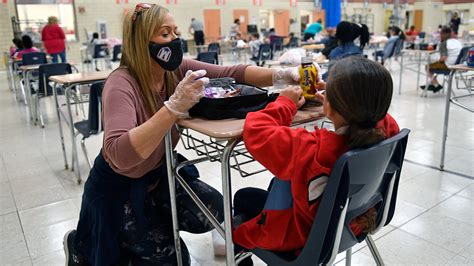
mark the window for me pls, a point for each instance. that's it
(33, 16)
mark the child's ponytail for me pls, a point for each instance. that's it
(364, 36)
(361, 137)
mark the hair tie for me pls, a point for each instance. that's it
(367, 124)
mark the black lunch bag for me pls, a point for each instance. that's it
(250, 99)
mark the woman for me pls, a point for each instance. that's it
(54, 40)
(455, 22)
(125, 213)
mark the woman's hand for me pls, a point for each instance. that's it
(188, 92)
(291, 75)
(295, 94)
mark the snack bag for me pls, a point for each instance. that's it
(308, 77)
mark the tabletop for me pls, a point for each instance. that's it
(461, 67)
(231, 128)
(81, 77)
(29, 67)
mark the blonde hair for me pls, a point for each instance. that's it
(52, 20)
(136, 57)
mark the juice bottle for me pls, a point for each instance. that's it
(308, 76)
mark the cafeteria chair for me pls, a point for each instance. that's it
(265, 53)
(360, 179)
(93, 125)
(36, 58)
(117, 53)
(208, 57)
(214, 47)
(44, 88)
(101, 52)
(462, 56)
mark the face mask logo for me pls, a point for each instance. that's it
(168, 55)
(164, 54)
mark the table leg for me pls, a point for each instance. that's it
(401, 74)
(27, 93)
(425, 91)
(418, 76)
(170, 165)
(61, 134)
(75, 161)
(227, 193)
(446, 119)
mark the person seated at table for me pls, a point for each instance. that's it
(411, 34)
(302, 160)
(18, 46)
(254, 45)
(449, 49)
(312, 29)
(330, 42)
(125, 213)
(240, 42)
(388, 50)
(346, 33)
(27, 47)
(291, 41)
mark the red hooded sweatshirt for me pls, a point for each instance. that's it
(301, 159)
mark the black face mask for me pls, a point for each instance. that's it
(168, 55)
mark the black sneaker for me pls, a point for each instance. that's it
(72, 257)
(243, 258)
(423, 87)
(437, 88)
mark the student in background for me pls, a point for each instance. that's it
(254, 44)
(455, 22)
(411, 33)
(27, 47)
(302, 160)
(346, 33)
(312, 30)
(18, 46)
(449, 49)
(54, 40)
(395, 34)
(330, 42)
(234, 29)
(197, 29)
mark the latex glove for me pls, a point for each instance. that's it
(291, 75)
(188, 92)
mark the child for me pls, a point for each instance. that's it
(254, 45)
(27, 47)
(358, 95)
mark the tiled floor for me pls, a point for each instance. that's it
(434, 221)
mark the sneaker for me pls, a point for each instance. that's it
(437, 88)
(423, 87)
(243, 258)
(72, 257)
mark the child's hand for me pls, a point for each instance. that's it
(319, 96)
(321, 85)
(295, 94)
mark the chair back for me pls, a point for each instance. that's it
(293, 42)
(184, 45)
(116, 53)
(100, 51)
(277, 44)
(36, 58)
(422, 35)
(214, 47)
(47, 70)
(462, 55)
(265, 52)
(208, 57)
(95, 107)
(359, 180)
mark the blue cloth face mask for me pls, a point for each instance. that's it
(168, 55)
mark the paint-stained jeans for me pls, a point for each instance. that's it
(156, 246)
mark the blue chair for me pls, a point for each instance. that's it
(214, 47)
(184, 45)
(360, 179)
(44, 89)
(36, 58)
(101, 52)
(116, 53)
(93, 125)
(277, 45)
(265, 53)
(208, 57)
